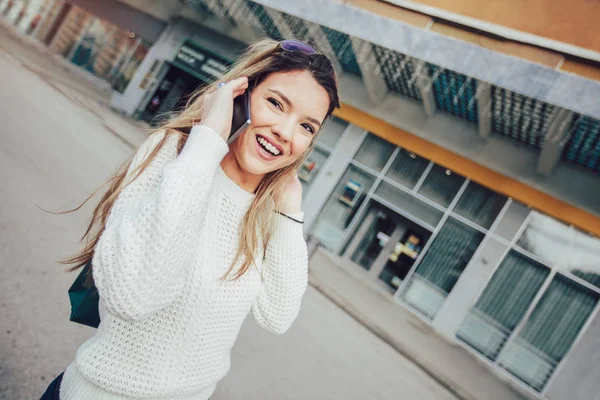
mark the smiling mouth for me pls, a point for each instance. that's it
(268, 147)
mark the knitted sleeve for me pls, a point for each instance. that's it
(143, 255)
(285, 276)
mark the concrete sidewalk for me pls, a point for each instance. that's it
(464, 374)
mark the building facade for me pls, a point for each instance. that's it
(466, 197)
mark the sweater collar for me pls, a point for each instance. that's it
(231, 189)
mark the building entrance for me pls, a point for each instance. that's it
(386, 245)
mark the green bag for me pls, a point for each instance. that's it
(84, 299)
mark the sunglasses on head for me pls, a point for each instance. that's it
(296, 45)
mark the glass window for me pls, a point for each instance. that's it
(546, 238)
(480, 205)
(332, 131)
(584, 258)
(341, 207)
(409, 204)
(441, 266)
(374, 152)
(124, 74)
(441, 185)
(377, 236)
(311, 168)
(407, 168)
(550, 331)
(503, 304)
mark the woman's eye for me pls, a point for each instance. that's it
(308, 128)
(275, 102)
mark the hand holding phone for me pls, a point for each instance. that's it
(241, 116)
(218, 108)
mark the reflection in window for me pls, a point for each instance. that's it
(407, 168)
(441, 185)
(480, 205)
(442, 265)
(503, 304)
(584, 260)
(311, 168)
(563, 247)
(375, 239)
(550, 331)
(374, 152)
(341, 207)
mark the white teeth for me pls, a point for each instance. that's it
(268, 146)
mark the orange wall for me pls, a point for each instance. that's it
(568, 21)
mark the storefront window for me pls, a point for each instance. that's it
(480, 205)
(550, 331)
(341, 207)
(503, 304)
(407, 168)
(441, 185)
(124, 74)
(441, 266)
(311, 167)
(381, 226)
(328, 139)
(409, 204)
(374, 152)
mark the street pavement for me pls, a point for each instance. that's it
(59, 143)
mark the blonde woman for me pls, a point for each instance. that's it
(194, 234)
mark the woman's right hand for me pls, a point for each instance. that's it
(217, 110)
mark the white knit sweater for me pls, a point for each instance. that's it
(168, 320)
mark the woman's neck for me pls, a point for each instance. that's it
(243, 179)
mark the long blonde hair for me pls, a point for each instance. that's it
(260, 60)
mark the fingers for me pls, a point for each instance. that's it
(236, 84)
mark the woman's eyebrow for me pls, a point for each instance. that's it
(289, 103)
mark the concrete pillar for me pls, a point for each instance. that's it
(370, 69)
(484, 108)
(557, 136)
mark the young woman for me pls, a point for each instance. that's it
(194, 234)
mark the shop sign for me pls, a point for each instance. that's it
(195, 60)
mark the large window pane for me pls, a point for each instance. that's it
(374, 152)
(332, 131)
(407, 168)
(442, 265)
(341, 207)
(312, 167)
(503, 304)
(375, 238)
(584, 260)
(480, 205)
(563, 247)
(409, 204)
(550, 331)
(441, 185)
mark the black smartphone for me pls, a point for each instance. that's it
(241, 116)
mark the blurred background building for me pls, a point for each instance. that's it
(461, 177)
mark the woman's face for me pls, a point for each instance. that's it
(287, 110)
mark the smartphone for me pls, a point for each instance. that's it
(241, 116)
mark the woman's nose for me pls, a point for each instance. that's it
(285, 130)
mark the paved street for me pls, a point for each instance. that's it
(58, 145)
